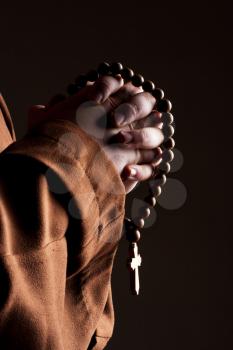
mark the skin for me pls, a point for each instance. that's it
(107, 110)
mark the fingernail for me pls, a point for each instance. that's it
(133, 173)
(157, 152)
(127, 137)
(119, 118)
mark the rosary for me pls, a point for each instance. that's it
(158, 179)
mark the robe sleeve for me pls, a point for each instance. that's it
(61, 216)
(7, 133)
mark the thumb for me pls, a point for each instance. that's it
(129, 184)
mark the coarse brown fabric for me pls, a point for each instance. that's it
(61, 216)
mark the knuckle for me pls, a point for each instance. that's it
(133, 108)
(149, 98)
(113, 102)
(144, 136)
(146, 102)
(131, 90)
(104, 86)
(127, 92)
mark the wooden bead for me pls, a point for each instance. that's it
(144, 212)
(127, 74)
(148, 86)
(164, 105)
(161, 178)
(104, 68)
(165, 167)
(168, 131)
(133, 236)
(92, 75)
(167, 118)
(116, 68)
(139, 222)
(81, 80)
(160, 181)
(72, 89)
(151, 200)
(169, 144)
(157, 191)
(137, 80)
(168, 156)
(158, 93)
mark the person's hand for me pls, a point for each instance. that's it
(97, 109)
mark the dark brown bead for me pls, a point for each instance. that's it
(157, 191)
(167, 118)
(165, 167)
(151, 200)
(168, 131)
(160, 174)
(158, 181)
(127, 74)
(158, 93)
(133, 236)
(168, 156)
(104, 68)
(169, 144)
(148, 86)
(116, 68)
(137, 80)
(164, 105)
(72, 89)
(144, 212)
(139, 222)
(92, 75)
(81, 80)
(161, 177)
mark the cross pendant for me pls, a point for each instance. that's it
(134, 261)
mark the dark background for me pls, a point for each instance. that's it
(186, 297)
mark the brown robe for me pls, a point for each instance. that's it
(61, 217)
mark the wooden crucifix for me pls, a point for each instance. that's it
(134, 262)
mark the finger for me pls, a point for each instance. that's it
(122, 95)
(60, 105)
(98, 92)
(138, 172)
(104, 87)
(152, 120)
(129, 185)
(137, 107)
(146, 138)
(136, 156)
(35, 109)
(154, 156)
(157, 119)
(134, 173)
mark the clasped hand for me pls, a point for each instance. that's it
(120, 117)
